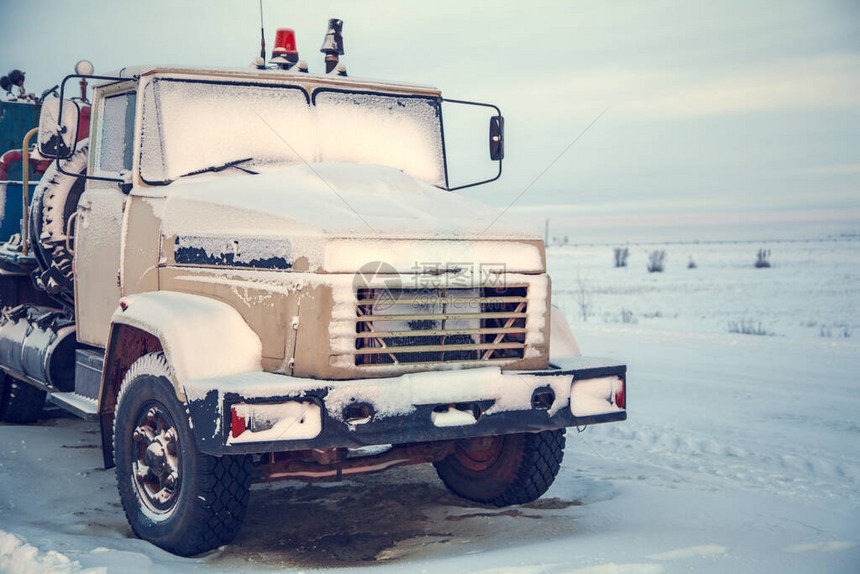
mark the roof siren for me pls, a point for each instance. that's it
(332, 47)
(284, 54)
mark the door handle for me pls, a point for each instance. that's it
(69, 228)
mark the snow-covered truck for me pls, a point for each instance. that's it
(262, 274)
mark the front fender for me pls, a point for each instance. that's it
(200, 337)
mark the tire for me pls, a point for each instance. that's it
(185, 502)
(504, 470)
(55, 199)
(20, 403)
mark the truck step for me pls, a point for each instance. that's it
(84, 407)
(88, 372)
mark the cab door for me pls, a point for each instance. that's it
(99, 223)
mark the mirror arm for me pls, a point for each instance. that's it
(498, 175)
(117, 79)
(70, 76)
(85, 176)
(498, 113)
(468, 103)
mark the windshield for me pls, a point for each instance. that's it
(193, 126)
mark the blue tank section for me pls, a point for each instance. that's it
(16, 119)
(11, 194)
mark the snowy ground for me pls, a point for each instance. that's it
(741, 453)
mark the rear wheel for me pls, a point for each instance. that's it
(20, 402)
(504, 470)
(173, 496)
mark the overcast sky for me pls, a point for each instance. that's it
(711, 108)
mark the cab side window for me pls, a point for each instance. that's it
(117, 133)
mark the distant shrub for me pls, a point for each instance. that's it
(656, 261)
(691, 264)
(762, 258)
(582, 290)
(841, 330)
(621, 255)
(627, 316)
(749, 327)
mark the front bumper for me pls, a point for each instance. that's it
(419, 407)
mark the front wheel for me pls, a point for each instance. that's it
(504, 470)
(173, 496)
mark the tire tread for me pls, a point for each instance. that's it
(541, 462)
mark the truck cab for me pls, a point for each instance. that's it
(272, 279)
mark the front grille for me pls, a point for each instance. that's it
(449, 325)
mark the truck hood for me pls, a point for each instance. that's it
(337, 217)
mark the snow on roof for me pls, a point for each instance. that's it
(277, 75)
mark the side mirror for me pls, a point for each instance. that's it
(58, 128)
(497, 138)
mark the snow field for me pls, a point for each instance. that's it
(812, 284)
(740, 453)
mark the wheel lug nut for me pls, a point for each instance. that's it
(137, 436)
(150, 416)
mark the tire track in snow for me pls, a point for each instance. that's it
(698, 461)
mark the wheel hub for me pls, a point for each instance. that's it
(478, 455)
(156, 463)
(155, 458)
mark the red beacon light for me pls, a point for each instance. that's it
(284, 54)
(285, 42)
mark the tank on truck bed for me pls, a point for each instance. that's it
(263, 274)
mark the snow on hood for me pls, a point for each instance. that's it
(334, 213)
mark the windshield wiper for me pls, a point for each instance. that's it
(215, 168)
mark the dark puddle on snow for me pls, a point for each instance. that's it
(386, 517)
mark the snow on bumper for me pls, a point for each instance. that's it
(267, 412)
